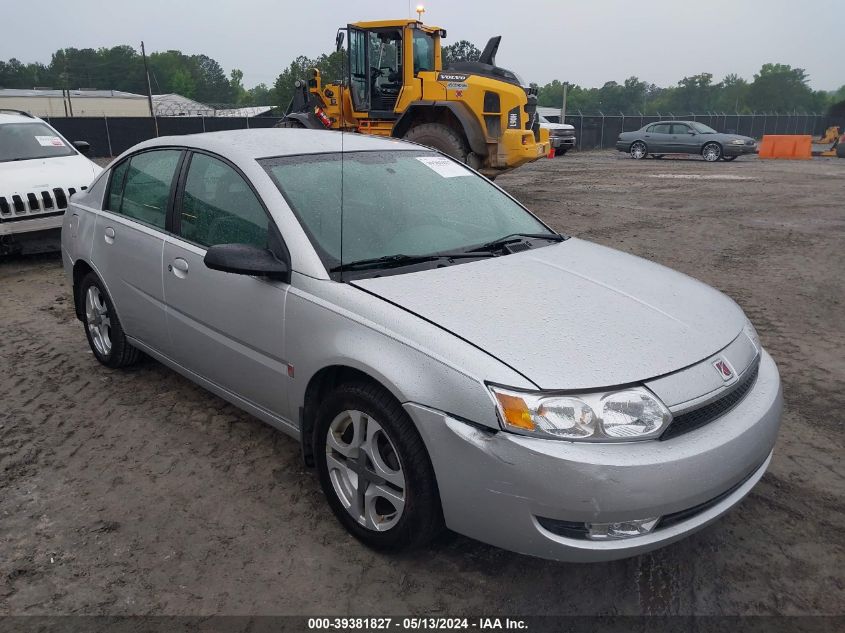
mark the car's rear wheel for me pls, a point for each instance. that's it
(102, 325)
(374, 469)
(638, 150)
(711, 152)
(729, 158)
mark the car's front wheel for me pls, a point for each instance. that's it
(711, 152)
(374, 468)
(102, 325)
(638, 150)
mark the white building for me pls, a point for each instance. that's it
(86, 103)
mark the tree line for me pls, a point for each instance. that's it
(776, 87)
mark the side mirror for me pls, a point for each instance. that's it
(84, 147)
(245, 259)
(338, 40)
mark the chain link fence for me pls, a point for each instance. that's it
(600, 131)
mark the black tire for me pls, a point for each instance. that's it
(728, 159)
(289, 123)
(658, 156)
(121, 353)
(440, 137)
(561, 151)
(421, 519)
(711, 152)
(638, 151)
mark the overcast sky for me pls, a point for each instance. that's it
(586, 42)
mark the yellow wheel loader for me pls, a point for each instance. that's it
(396, 86)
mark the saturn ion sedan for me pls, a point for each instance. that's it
(443, 356)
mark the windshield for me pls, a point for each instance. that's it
(543, 119)
(703, 129)
(407, 202)
(28, 141)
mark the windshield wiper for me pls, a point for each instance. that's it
(392, 261)
(515, 237)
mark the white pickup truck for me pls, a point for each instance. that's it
(561, 135)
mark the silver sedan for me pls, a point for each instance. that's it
(443, 356)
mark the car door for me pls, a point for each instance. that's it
(657, 138)
(684, 138)
(129, 238)
(227, 328)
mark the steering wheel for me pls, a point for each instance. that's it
(376, 71)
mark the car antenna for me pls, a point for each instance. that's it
(347, 84)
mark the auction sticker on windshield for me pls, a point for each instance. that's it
(444, 166)
(49, 141)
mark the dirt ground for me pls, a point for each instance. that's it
(138, 493)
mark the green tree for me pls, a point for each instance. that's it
(781, 88)
(460, 51)
(236, 87)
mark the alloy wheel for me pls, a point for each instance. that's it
(98, 320)
(365, 471)
(711, 152)
(638, 151)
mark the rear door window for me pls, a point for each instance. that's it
(146, 186)
(219, 207)
(660, 128)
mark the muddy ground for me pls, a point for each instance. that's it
(136, 492)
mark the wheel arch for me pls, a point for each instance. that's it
(451, 113)
(721, 147)
(320, 384)
(80, 269)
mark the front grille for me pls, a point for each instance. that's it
(701, 416)
(35, 203)
(564, 133)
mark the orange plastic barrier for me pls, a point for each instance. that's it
(791, 146)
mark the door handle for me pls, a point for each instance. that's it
(108, 235)
(179, 267)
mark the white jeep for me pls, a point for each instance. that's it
(39, 171)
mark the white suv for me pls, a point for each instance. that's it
(39, 171)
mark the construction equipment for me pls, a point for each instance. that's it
(831, 135)
(396, 86)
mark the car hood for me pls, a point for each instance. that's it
(557, 126)
(573, 315)
(22, 177)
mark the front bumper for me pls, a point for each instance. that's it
(560, 142)
(495, 486)
(739, 150)
(32, 223)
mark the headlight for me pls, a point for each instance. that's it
(619, 416)
(751, 333)
(737, 141)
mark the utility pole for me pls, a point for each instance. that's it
(149, 88)
(563, 105)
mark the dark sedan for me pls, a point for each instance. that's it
(684, 137)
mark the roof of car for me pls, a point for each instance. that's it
(10, 116)
(269, 142)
